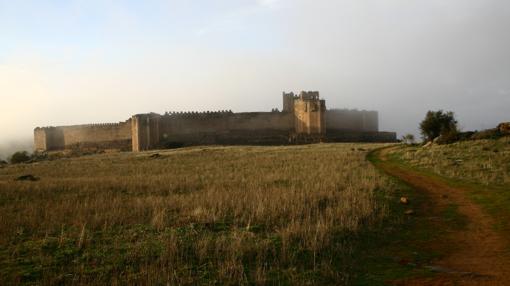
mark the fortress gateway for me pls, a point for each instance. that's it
(304, 119)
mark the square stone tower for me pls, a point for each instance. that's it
(288, 101)
(309, 113)
(145, 132)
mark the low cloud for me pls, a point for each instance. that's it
(9, 147)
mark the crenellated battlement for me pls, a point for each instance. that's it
(309, 95)
(290, 95)
(197, 114)
(118, 124)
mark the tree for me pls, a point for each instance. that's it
(438, 123)
(20, 157)
(408, 139)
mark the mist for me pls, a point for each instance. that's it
(102, 61)
(8, 148)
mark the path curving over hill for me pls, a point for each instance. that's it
(479, 255)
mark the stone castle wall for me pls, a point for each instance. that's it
(40, 139)
(193, 128)
(351, 120)
(304, 119)
(104, 136)
(226, 128)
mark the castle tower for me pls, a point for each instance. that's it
(288, 102)
(309, 113)
(145, 131)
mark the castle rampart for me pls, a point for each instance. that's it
(103, 136)
(304, 118)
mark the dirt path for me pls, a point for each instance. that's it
(480, 255)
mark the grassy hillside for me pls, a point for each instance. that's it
(484, 162)
(481, 166)
(316, 214)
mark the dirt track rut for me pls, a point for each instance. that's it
(480, 254)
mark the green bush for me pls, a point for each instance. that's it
(20, 157)
(463, 136)
(487, 134)
(448, 137)
(408, 139)
(439, 123)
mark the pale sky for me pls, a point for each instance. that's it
(89, 61)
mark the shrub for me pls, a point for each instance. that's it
(408, 139)
(171, 144)
(448, 137)
(20, 157)
(487, 134)
(437, 123)
(463, 136)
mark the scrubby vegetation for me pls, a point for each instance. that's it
(439, 124)
(20, 157)
(481, 167)
(481, 161)
(442, 128)
(408, 139)
(233, 215)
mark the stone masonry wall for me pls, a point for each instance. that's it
(40, 139)
(304, 119)
(225, 128)
(105, 136)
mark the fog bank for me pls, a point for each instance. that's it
(102, 61)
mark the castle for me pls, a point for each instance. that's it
(304, 119)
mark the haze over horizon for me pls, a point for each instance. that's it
(78, 61)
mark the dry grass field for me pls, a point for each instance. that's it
(202, 215)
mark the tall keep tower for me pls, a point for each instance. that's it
(309, 112)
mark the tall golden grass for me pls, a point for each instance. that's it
(203, 215)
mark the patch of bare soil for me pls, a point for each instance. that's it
(479, 255)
